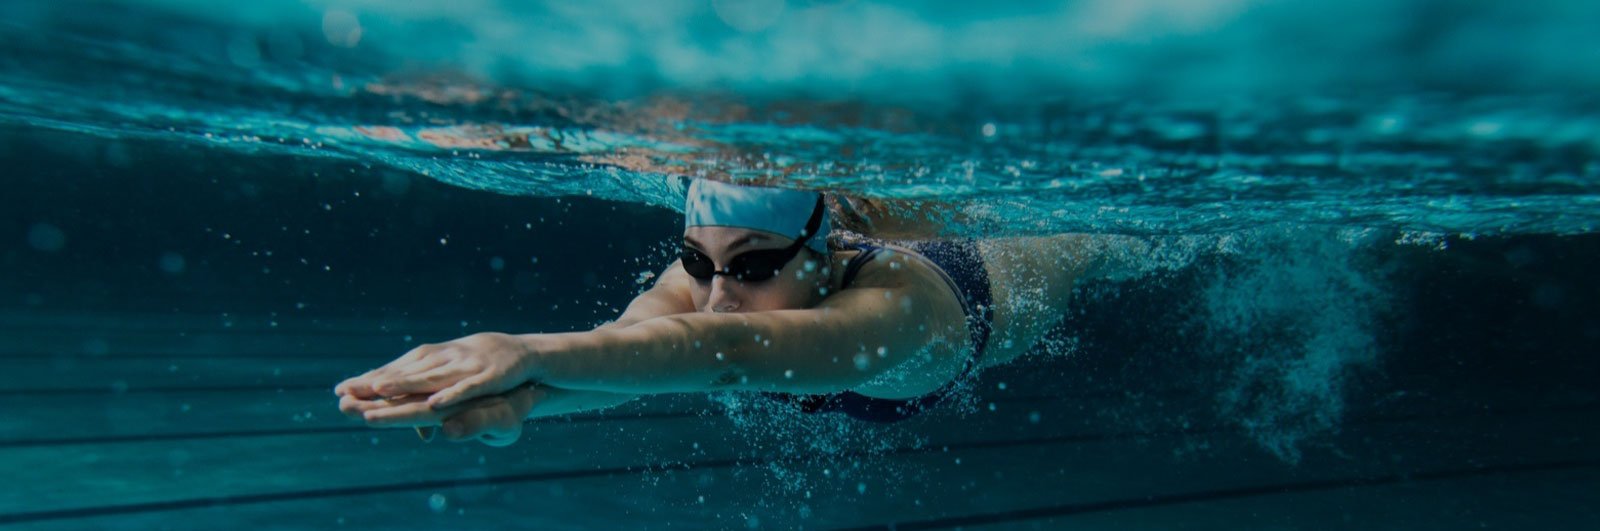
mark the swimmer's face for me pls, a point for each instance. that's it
(794, 287)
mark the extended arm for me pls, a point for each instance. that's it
(668, 296)
(849, 339)
(889, 316)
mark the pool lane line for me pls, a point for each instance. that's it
(145, 355)
(1180, 498)
(247, 499)
(575, 418)
(661, 415)
(110, 390)
(447, 331)
(118, 439)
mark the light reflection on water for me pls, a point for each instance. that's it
(1130, 117)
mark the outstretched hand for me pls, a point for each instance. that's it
(448, 373)
(496, 419)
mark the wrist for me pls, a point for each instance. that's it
(528, 356)
(545, 356)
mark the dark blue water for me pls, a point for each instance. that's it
(1359, 244)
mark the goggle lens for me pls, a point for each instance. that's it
(753, 266)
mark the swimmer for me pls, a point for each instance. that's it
(764, 297)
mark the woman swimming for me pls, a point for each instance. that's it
(760, 301)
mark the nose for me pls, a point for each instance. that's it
(722, 299)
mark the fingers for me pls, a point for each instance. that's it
(466, 389)
(407, 415)
(375, 382)
(370, 385)
(361, 385)
(353, 407)
(357, 408)
(408, 411)
(494, 420)
(423, 382)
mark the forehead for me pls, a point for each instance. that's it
(729, 237)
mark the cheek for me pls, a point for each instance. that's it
(778, 294)
(787, 294)
(766, 300)
(699, 294)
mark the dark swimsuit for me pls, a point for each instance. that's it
(962, 269)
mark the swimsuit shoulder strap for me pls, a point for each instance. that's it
(859, 261)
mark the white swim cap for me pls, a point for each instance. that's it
(779, 211)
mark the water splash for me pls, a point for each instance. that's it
(1292, 322)
(812, 452)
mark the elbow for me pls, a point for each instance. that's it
(726, 363)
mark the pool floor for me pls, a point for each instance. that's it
(139, 422)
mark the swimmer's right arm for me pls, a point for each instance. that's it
(668, 296)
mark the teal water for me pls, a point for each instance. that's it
(1359, 242)
(1147, 118)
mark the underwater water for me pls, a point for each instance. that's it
(1357, 246)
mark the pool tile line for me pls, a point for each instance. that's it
(1063, 510)
(218, 501)
(579, 417)
(1163, 500)
(666, 415)
(116, 439)
(113, 390)
(383, 357)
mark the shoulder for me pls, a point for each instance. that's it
(899, 293)
(892, 267)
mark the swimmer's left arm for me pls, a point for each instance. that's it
(668, 296)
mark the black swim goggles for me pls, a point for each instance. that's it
(752, 266)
